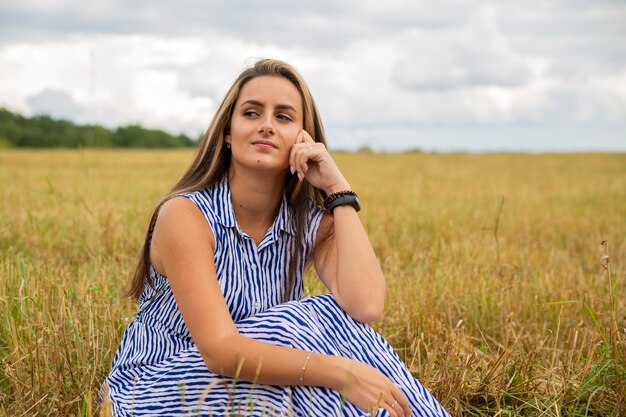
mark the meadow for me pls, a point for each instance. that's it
(506, 273)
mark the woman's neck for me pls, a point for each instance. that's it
(256, 200)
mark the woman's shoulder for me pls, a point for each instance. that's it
(179, 228)
(214, 202)
(178, 207)
(178, 217)
(212, 196)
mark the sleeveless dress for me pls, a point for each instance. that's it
(158, 371)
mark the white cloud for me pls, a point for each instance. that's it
(474, 54)
(388, 68)
(57, 104)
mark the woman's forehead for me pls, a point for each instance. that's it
(271, 90)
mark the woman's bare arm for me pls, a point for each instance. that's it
(347, 264)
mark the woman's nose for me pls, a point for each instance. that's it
(266, 127)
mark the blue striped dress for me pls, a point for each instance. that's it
(157, 370)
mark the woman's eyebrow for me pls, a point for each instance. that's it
(278, 106)
(286, 107)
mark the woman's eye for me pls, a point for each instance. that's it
(250, 113)
(283, 116)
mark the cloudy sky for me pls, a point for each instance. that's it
(387, 74)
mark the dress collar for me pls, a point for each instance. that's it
(226, 215)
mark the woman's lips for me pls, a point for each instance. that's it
(264, 144)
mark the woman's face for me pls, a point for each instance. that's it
(266, 120)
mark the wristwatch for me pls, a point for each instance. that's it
(349, 199)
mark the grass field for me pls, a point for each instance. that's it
(502, 299)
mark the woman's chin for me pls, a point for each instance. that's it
(263, 165)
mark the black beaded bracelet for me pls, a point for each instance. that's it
(341, 198)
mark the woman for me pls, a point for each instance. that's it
(221, 328)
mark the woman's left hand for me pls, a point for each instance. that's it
(311, 160)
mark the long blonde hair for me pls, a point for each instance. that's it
(212, 161)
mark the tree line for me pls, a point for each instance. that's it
(44, 132)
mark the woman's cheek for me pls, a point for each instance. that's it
(290, 136)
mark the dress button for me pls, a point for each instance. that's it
(253, 266)
(257, 305)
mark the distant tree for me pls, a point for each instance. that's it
(44, 132)
(11, 126)
(97, 136)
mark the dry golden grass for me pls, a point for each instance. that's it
(499, 300)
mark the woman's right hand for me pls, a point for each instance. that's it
(367, 388)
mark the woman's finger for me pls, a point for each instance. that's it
(394, 404)
(306, 137)
(401, 401)
(300, 153)
(294, 150)
(302, 158)
(295, 164)
(392, 410)
(304, 154)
